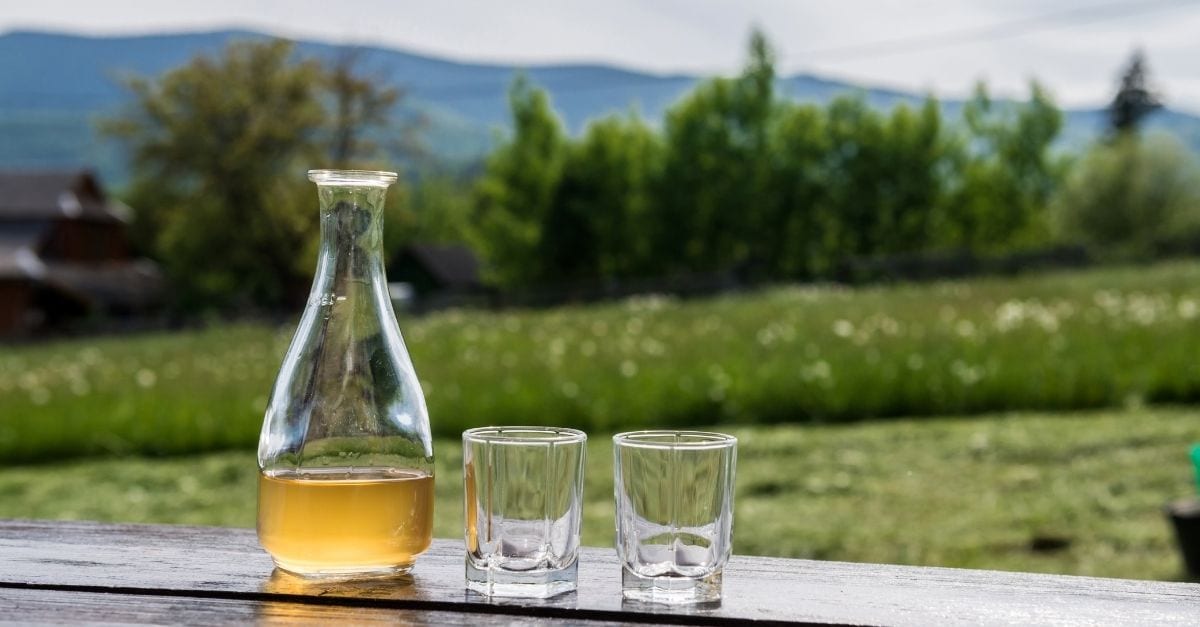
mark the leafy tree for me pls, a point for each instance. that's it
(919, 154)
(366, 122)
(794, 245)
(357, 106)
(515, 193)
(1135, 99)
(856, 135)
(716, 167)
(597, 226)
(218, 148)
(738, 179)
(436, 208)
(1009, 173)
(1129, 194)
(215, 146)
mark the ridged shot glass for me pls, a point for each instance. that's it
(674, 510)
(524, 500)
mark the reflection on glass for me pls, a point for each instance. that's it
(346, 457)
(674, 492)
(523, 499)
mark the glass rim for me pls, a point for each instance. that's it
(352, 177)
(701, 440)
(512, 435)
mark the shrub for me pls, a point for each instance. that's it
(1127, 195)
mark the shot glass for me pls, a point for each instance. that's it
(524, 500)
(674, 493)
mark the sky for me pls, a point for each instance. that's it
(1074, 47)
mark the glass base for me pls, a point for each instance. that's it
(309, 571)
(671, 590)
(530, 584)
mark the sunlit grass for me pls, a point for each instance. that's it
(1096, 338)
(972, 492)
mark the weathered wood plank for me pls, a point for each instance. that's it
(229, 564)
(57, 607)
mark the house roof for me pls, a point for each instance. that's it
(18, 245)
(51, 194)
(452, 265)
(19, 262)
(120, 285)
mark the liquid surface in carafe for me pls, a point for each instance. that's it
(331, 520)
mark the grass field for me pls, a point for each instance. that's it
(973, 492)
(170, 420)
(1098, 338)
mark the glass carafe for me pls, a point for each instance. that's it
(345, 456)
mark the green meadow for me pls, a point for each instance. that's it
(1036, 423)
(1078, 493)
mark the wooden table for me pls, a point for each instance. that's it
(70, 572)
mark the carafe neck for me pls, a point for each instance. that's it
(351, 254)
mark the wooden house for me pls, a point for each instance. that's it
(438, 275)
(65, 254)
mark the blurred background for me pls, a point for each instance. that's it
(933, 262)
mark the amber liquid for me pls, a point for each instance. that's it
(340, 520)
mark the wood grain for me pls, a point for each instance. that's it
(221, 563)
(56, 607)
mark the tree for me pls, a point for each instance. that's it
(716, 168)
(852, 167)
(515, 193)
(365, 118)
(741, 180)
(217, 142)
(795, 244)
(1135, 99)
(1009, 173)
(598, 223)
(919, 154)
(357, 106)
(218, 148)
(1132, 193)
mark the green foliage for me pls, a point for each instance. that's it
(792, 240)
(516, 192)
(356, 105)
(886, 178)
(216, 145)
(972, 493)
(218, 149)
(1132, 193)
(1071, 340)
(741, 180)
(1009, 173)
(737, 179)
(601, 204)
(716, 169)
(436, 208)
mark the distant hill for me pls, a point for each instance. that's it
(53, 86)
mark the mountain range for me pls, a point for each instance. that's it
(53, 86)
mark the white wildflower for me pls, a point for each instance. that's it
(967, 374)
(817, 371)
(146, 378)
(1187, 308)
(39, 396)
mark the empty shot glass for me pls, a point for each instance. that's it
(524, 496)
(674, 493)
